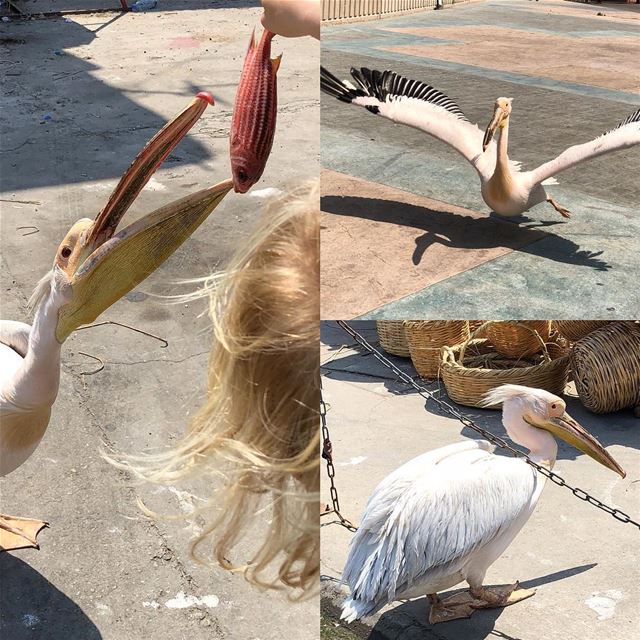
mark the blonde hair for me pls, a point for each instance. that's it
(259, 424)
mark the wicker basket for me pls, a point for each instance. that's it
(392, 337)
(575, 329)
(606, 367)
(427, 337)
(517, 338)
(473, 368)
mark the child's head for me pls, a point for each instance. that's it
(259, 425)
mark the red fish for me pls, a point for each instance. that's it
(254, 114)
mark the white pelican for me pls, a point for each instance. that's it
(93, 268)
(505, 188)
(447, 515)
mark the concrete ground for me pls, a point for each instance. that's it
(584, 564)
(107, 82)
(404, 225)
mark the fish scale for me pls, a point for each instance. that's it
(254, 114)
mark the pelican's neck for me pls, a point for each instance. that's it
(38, 380)
(502, 162)
(542, 446)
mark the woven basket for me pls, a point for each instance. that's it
(515, 339)
(392, 337)
(473, 368)
(606, 367)
(427, 337)
(575, 329)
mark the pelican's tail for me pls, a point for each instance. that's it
(353, 610)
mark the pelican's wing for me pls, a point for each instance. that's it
(425, 519)
(15, 335)
(626, 134)
(416, 104)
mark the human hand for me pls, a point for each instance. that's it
(292, 18)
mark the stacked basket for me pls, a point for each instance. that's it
(426, 339)
(477, 365)
(606, 367)
(392, 337)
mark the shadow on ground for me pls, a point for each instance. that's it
(61, 124)
(462, 232)
(409, 620)
(31, 608)
(46, 6)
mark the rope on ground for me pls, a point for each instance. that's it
(126, 326)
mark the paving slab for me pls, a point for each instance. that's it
(380, 229)
(104, 572)
(554, 107)
(584, 564)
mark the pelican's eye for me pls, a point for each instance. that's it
(65, 252)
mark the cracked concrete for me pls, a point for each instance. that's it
(105, 572)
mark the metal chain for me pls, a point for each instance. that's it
(496, 440)
(327, 454)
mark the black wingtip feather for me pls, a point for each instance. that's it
(385, 86)
(634, 117)
(335, 87)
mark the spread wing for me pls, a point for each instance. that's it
(626, 134)
(415, 104)
(424, 520)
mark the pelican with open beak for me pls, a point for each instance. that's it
(95, 265)
(103, 265)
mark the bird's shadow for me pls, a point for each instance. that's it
(410, 619)
(465, 232)
(31, 607)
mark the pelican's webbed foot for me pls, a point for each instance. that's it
(499, 596)
(19, 533)
(451, 608)
(463, 604)
(565, 213)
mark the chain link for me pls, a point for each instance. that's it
(327, 454)
(493, 439)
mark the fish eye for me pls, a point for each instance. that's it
(65, 252)
(242, 175)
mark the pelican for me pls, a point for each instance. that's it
(505, 188)
(94, 267)
(447, 515)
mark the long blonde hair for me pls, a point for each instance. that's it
(259, 424)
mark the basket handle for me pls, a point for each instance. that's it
(463, 348)
(486, 324)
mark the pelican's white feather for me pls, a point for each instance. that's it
(625, 135)
(429, 519)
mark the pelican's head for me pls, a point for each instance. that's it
(501, 113)
(544, 410)
(101, 265)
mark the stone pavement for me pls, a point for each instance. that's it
(104, 571)
(404, 223)
(583, 562)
